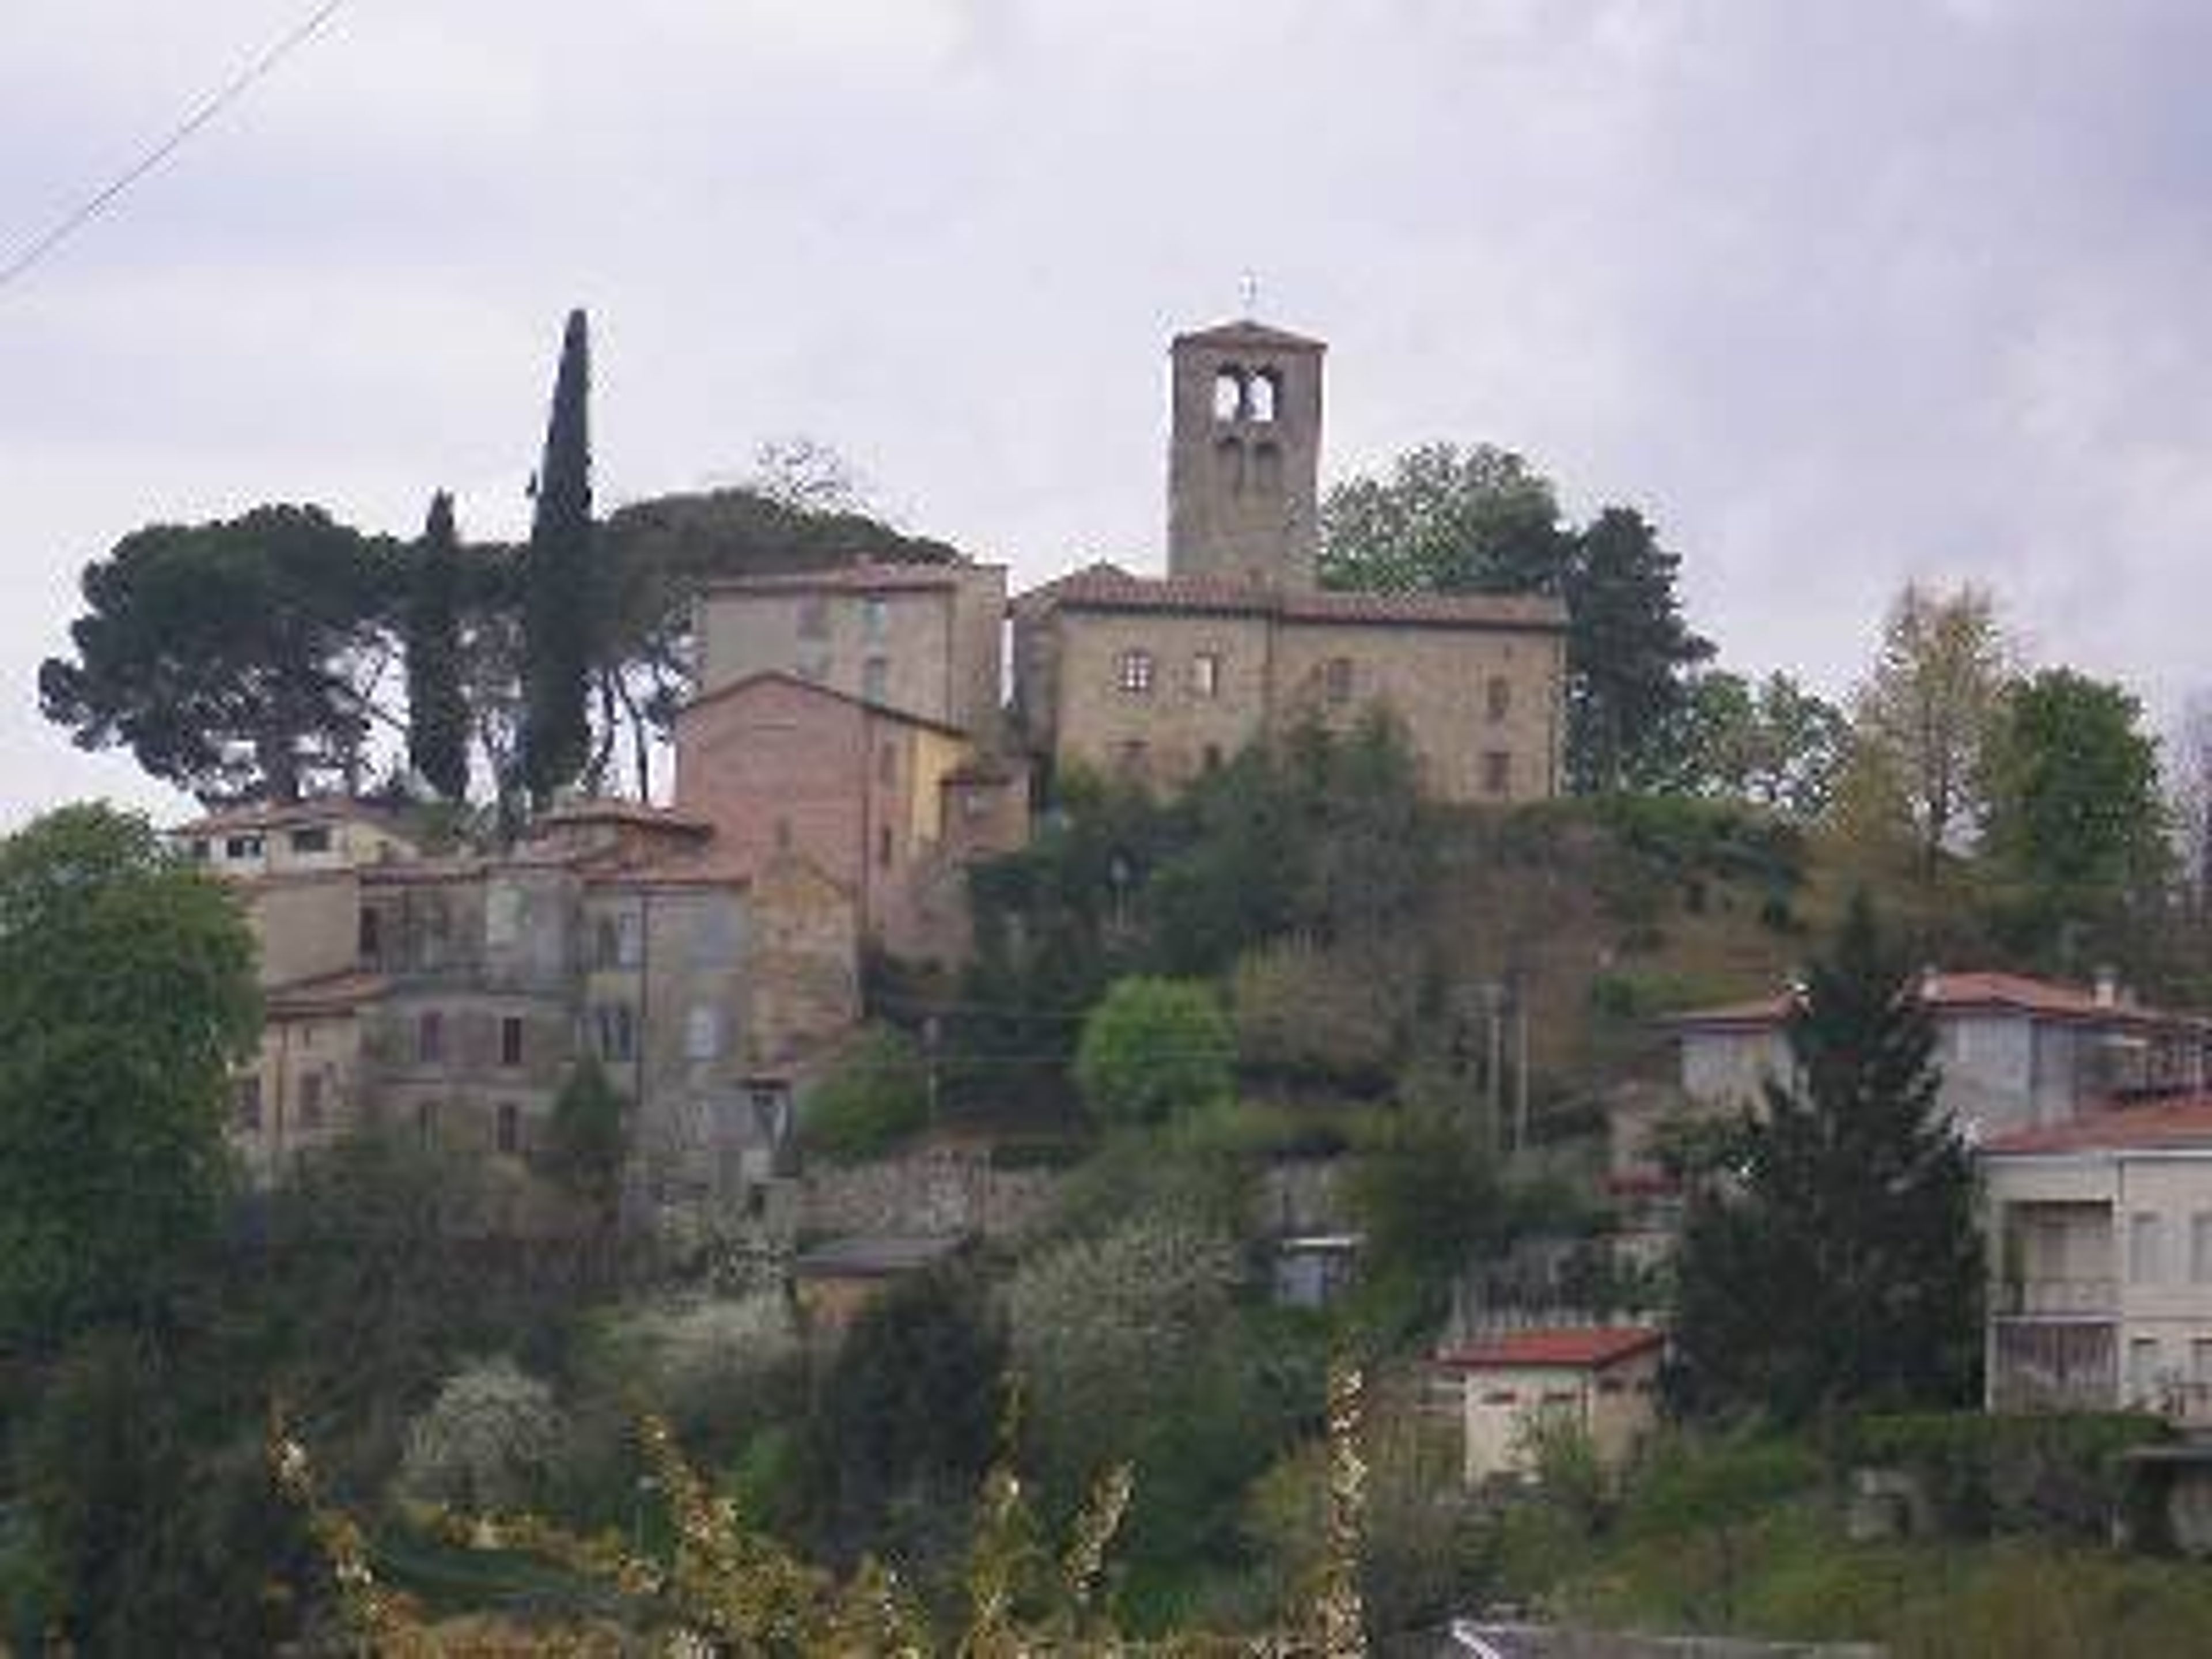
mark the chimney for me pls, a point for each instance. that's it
(2108, 987)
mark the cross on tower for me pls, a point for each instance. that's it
(1247, 285)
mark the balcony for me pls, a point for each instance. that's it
(2068, 1364)
(2055, 1298)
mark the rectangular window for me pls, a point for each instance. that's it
(703, 1033)
(2200, 1248)
(314, 840)
(430, 1037)
(310, 1100)
(246, 1104)
(510, 1040)
(2142, 1369)
(875, 617)
(887, 764)
(883, 845)
(1337, 679)
(2145, 1248)
(1133, 674)
(1205, 674)
(2200, 1362)
(425, 1122)
(1497, 697)
(371, 935)
(814, 617)
(243, 846)
(509, 1130)
(1497, 773)
(876, 679)
(616, 1030)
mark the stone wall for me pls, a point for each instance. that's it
(930, 1195)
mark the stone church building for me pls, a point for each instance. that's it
(1157, 679)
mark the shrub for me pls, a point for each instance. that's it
(1153, 1048)
(485, 1443)
(2054, 1472)
(1316, 1015)
(876, 1096)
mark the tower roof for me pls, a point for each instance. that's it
(1245, 332)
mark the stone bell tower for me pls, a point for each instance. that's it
(1244, 455)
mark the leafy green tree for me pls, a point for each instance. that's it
(908, 1414)
(141, 1539)
(1155, 1048)
(587, 1138)
(876, 1094)
(1921, 721)
(1628, 648)
(126, 995)
(1446, 521)
(437, 713)
(1481, 520)
(1833, 1262)
(1774, 744)
(240, 658)
(559, 585)
(2077, 825)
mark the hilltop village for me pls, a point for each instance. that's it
(1732, 1164)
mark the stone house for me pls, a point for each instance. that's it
(2015, 1052)
(451, 997)
(1158, 679)
(1602, 1381)
(890, 805)
(922, 639)
(2100, 1238)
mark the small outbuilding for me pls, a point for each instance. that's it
(1601, 1379)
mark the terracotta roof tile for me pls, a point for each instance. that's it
(1108, 587)
(1960, 994)
(2167, 1124)
(1583, 1346)
(865, 577)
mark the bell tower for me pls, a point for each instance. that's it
(1244, 455)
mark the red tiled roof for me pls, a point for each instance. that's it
(865, 577)
(263, 815)
(610, 810)
(325, 994)
(1108, 587)
(1960, 994)
(2167, 1124)
(816, 689)
(1588, 1347)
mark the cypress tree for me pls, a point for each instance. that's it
(556, 616)
(1835, 1264)
(437, 715)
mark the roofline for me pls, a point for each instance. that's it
(730, 688)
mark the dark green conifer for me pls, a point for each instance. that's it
(437, 713)
(1832, 1261)
(557, 582)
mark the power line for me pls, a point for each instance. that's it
(78, 217)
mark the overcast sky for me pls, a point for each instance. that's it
(1839, 292)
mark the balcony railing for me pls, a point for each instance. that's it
(2034, 1298)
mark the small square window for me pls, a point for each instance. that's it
(1133, 673)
